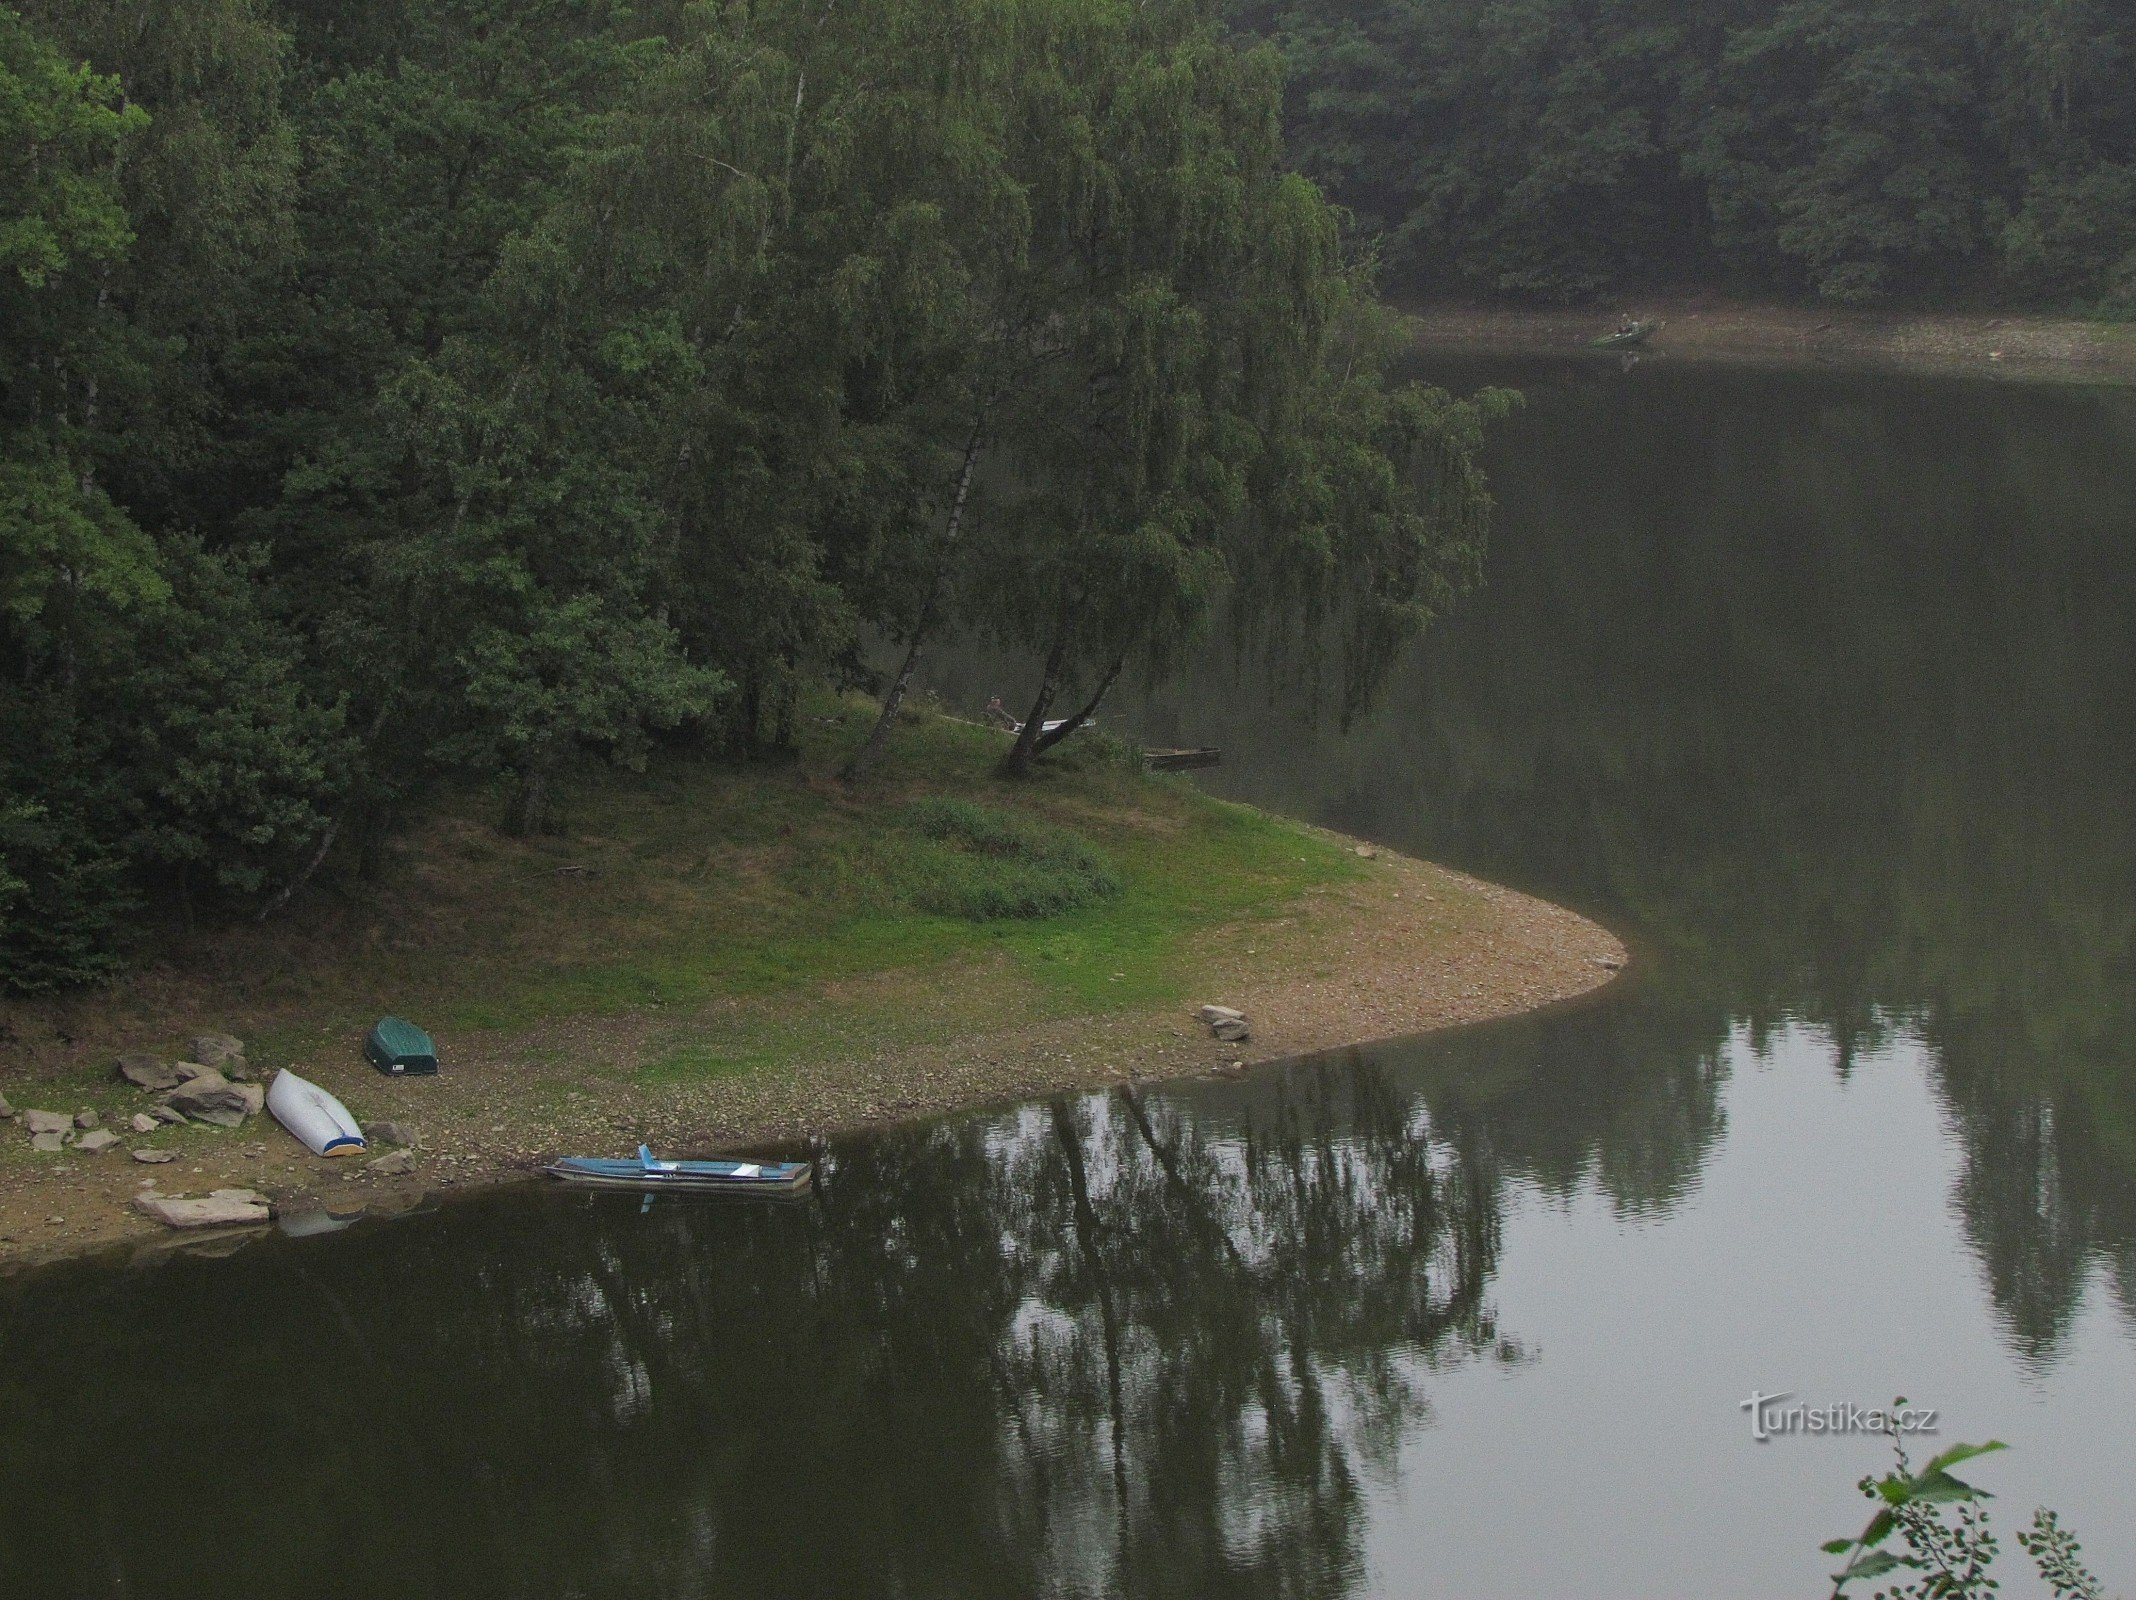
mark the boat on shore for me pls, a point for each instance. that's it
(646, 1173)
(1625, 338)
(314, 1116)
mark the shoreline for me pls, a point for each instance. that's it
(1405, 948)
(1714, 328)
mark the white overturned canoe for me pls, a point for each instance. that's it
(314, 1116)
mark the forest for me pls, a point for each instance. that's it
(407, 393)
(1927, 150)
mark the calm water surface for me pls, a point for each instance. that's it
(1818, 687)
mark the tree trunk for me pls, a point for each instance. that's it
(894, 697)
(1017, 764)
(1081, 719)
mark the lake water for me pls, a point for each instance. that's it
(1817, 687)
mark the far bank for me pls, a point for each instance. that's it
(714, 957)
(1708, 327)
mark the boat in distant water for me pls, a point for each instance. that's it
(314, 1116)
(645, 1173)
(1625, 338)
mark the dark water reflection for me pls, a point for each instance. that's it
(1818, 687)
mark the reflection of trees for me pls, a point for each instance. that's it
(1108, 1347)
(1822, 687)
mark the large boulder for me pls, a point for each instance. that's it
(149, 1072)
(224, 1208)
(211, 1097)
(47, 1122)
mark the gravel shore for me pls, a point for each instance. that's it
(1405, 948)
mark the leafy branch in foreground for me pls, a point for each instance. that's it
(1942, 1523)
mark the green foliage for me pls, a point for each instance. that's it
(1561, 148)
(1942, 1533)
(446, 393)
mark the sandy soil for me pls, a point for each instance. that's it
(1712, 328)
(1407, 948)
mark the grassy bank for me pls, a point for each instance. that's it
(770, 894)
(713, 955)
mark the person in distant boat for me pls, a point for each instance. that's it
(998, 714)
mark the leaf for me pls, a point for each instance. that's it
(1961, 1452)
(1940, 1488)
(1872, 1564)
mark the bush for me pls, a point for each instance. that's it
(969, 861)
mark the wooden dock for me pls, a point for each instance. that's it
(1181, 760)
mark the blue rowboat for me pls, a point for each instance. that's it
(727, 1177)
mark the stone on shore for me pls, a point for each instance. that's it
(168, 1116)
(213, 1098)
(1231, 1030)
(49, 1143)
(88, 1119)
(187, 1070)
(213, 1049)
(1215, 1014)
(6, 1110)
(224, 1208)
(100, 1139)
(142, 1122)
(387, 1133)
(149, 1072)
(393, 1164)
(152, 1158)
(47, 1122)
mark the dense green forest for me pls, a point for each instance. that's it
(1855, 148)
(405, 392)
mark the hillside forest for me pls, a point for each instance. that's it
(398, 394)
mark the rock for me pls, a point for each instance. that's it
(1369, 852)
(101, 1139)
(148, 1072)
(88, 1119)
(187, 1070)
(6, 1110)
(1232, 1030)
(144, 1123)
(1609, 963)
(49, 1143)
(238, 1070)
(213, 1098)
(154, 1158)
(392, 1165)
(213, 1049)
(223, 1208)
(1215, 1014)
(387, 1133)
(168, 1116)
(47, 1122)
